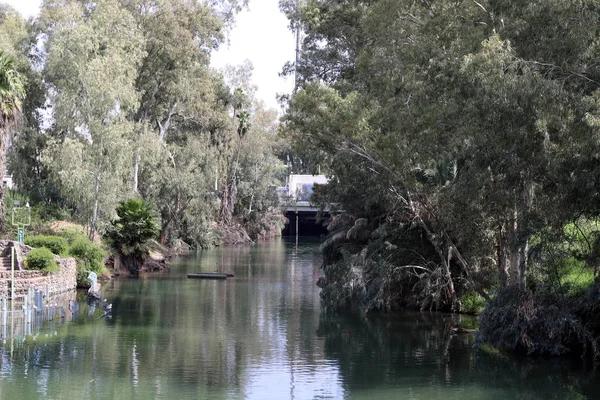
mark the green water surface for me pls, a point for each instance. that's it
(260, 336)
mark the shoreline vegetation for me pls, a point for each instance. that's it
(120, 125)
(462, 140)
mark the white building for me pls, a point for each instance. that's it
(300, 187)
(7, 182)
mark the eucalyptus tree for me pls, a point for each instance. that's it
(183, 108)
(93, 53)
(173, 79)
(474, 92)
(229, 191)
(18, 38)
(260, 169)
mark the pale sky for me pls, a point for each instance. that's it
(260, 35)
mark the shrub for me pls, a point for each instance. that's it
(576, 277)
(265, 224)
(472, 303)
(41, 259)
(136, 226)
(90, 257)
(55, 244)
(535, 324)
(72, 235)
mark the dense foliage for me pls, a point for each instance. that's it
(135, 226)
(68, 243)
(463, 141)
(58, 245)
(90, 258)
(41, 259)
(122, 101)
(517, 319)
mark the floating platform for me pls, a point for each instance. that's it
(210, 275)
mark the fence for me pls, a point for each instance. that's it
(36, 313)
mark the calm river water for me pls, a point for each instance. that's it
(260, 336)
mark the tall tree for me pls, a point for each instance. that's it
(469, 118)
(18, 38)
(94, 51)
(11, 96)
(173, 78)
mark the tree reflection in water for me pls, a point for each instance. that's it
(261, 336)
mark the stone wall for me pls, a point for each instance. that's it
(20, 251)
(63, 280)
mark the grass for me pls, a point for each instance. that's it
(577, 277)
(472, 303)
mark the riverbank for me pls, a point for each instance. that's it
(546, 324)
(262, 336)
(393, 267)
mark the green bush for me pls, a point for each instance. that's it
(72, 235)
(517, 319)
(472, 303)
(57, 245)
(41, 259)
(90, 257)
(575, 276)
(136, 225)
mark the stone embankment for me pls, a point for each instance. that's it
(63, 280)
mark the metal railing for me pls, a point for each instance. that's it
(34, 313)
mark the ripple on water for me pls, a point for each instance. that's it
(261, 336)
(281, 379)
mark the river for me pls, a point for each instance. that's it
(260, 335)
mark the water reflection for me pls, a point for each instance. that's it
(415, 356)
(260, 336)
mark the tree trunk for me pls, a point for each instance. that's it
(216, 178)
(166, 228)
(136, 169)
(503, 275)
(445, 256)
(523, 259)
(253, 190)
(166, 122)
(250, 205)
(451, 290)
(95, 211)
(229, 193)
(447, 239)
(513, 254)
(164, 233)
(228, 200)
(527, 198)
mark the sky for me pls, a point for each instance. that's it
(260, 35)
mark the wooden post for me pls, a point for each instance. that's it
(296, 229)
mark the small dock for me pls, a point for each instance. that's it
(210, 275)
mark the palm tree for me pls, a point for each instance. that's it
(244, 123)
(12, 92)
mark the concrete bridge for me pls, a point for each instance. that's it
(295, 200)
